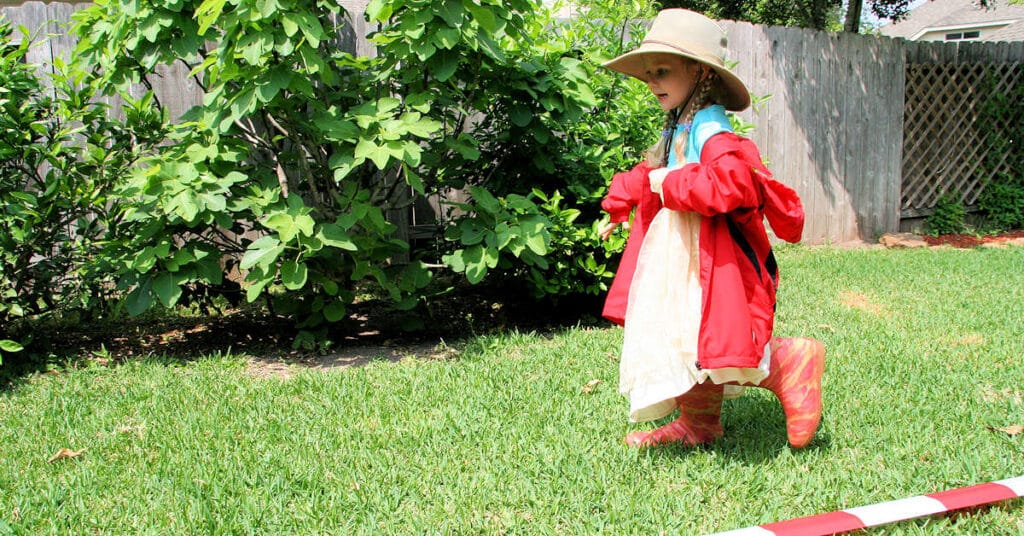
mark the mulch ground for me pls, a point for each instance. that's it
(971, 241)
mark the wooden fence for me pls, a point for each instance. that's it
(871, 131)
(831, 124)
(859, 125)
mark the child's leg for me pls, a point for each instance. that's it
(699, 420)
(795, 377)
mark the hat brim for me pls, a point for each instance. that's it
(735, 96)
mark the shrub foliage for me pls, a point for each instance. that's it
(60, 156)
(950, 216)
(1002, 201)
(281, 185)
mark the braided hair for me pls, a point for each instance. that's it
(702, 95)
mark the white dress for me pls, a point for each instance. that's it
(659, 351)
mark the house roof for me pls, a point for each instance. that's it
(957, 14)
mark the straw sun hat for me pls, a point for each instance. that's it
(690, 35)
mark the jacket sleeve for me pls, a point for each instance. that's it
(720, 183)
(625, 192)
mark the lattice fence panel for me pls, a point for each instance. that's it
(948, 122)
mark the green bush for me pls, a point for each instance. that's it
(611, 137)
(1002, 203)
(949, 216)
(299, 150)
(286, 174)
(514, 113)
(60, 155)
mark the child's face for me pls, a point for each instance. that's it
(670, 78)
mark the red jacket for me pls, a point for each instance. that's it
(733, 192)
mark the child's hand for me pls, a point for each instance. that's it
(606, 232)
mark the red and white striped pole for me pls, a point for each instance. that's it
(874, 515)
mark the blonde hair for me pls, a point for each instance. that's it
(657, 154)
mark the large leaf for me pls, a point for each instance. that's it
(420, 126)
(379, 10)
(537, 244)
(293, 274)
(10, 346)
(476, 264)
(472, 232)
(334, 311)
(520, 115)
(139, 299)
(288, 226)
(484, 17)
(378, 154)
(263, 253)
(333, 235)
(414, 180)
(485, 200)
(443, 64)
(256, 285)
(455, 261)
(278, 80)
(208, 12)
(166, 289)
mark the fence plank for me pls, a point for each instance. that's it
(1015, 52)
(894, 135)
(837, 135)
(37, 19)
(858, 134)
(789, 151)
(176, 90)
(814, 97)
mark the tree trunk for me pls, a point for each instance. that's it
(818, 17)
(853, 16)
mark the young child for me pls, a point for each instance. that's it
(695, 289)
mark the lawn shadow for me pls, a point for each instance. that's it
(371, 331)
(16, 370)
(168, 337)
(354, 354)
(375, 333)
(755, 433)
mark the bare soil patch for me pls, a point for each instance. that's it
(861, 302)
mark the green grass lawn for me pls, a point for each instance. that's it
(925, 365)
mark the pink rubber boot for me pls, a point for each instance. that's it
(699, 420)
(795, 377)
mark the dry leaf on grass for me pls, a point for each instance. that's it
(65, 453)
(589, 387)
(1008, 430)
